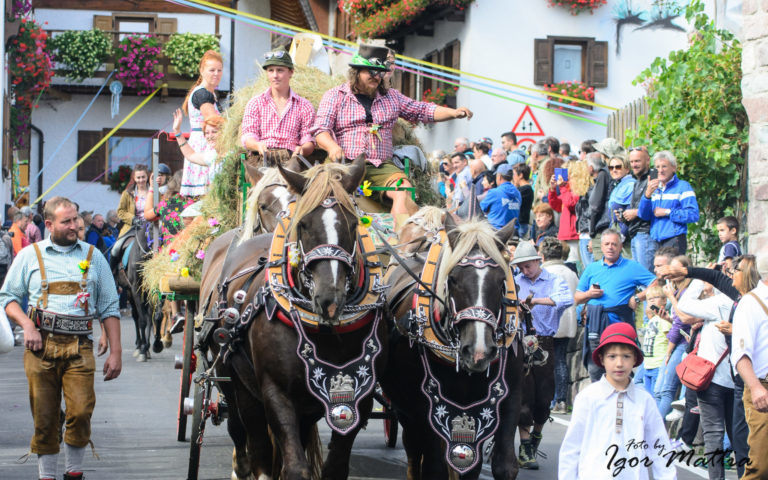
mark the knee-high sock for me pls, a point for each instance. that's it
(46, 465)
(74, 458)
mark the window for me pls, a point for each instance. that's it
(559, 59)
(413, 86)
(125, 147)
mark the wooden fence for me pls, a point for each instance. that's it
(626, 118)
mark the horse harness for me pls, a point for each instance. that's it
(58, 323)
(338, 388)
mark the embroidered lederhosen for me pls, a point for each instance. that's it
(55, 322)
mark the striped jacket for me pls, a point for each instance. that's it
(679, 197)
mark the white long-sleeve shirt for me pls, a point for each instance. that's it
(750, 331)
(712, 344)
(597, 445)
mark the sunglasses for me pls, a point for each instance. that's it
(278, 54)
(615, 167)
(376, 73)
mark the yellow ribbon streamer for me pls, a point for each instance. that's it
(101, 142)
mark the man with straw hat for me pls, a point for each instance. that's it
(356, 118)
(278, 120)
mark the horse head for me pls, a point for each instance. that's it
(473, 274)
(324, 227)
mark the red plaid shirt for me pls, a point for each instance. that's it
(342, 115)
(263, 123)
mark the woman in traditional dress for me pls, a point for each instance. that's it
(200, 104)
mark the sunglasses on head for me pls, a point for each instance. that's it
(637, 149)
(278, 54)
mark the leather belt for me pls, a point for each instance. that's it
(64, 324)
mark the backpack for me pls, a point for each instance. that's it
(6, 253)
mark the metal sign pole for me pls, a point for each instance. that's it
(155, 192)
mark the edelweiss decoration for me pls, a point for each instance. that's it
(465, 428)
(339, 388)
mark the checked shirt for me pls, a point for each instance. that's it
(263, 123)
(343, 116)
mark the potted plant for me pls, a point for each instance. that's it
(440, 96)
(184, 50)
(136, 59)
(20, 8)
(578, 6)
(81, 52)
(374, 18)
(31, 70)
(575, 89)
(120, 178)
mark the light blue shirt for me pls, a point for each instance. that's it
(618, 282)
(546, 318)
(61, 265)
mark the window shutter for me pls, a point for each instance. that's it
(170, 153)
(597, 64)
(94, 165)
(103, 23)
(7, 148)
(166, 26)
(456, 51)
(542, 61)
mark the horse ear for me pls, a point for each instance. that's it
(356, 173)
(479, 214)
(451, 231)
(294, 164)
(296, 181)
(507, 232)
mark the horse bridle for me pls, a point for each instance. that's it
(474, 313)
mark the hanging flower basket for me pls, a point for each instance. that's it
(120, 178)
(20, 8)
(439, 96)
(184, 50)
(80, 53)
(31, 70)
(136, 59)
(374, 18)
(578, 6)
(571, 89)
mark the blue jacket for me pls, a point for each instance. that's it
(679, 197)
(502, 204)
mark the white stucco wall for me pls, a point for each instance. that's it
(497, 41)
(251, 42)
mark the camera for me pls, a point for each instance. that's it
(719, 267)
(655, 308)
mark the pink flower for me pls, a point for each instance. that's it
(200, 254)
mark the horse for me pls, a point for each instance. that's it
(316, 291)
(460, 383)
(132, 252)
(268, 197)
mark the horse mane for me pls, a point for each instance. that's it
(471, 233)
(324, 182)
(270, 176)
(428, 218)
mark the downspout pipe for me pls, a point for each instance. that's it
(40, 143)
(233, 6)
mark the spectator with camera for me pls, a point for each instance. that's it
(669, 204)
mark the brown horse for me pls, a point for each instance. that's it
(453, 376)
(276, 387)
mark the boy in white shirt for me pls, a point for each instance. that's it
(616, 430)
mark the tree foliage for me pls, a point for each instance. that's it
(695, 111)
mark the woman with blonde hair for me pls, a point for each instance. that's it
(201, 103)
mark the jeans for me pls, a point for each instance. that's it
(680, 242)
(740, 428)
(689, 427)
(595, 372)
(561, 369)
(586, 255)
(669, 382)
(650, 379)
(523, 231)
(643, 249)
(716, 406)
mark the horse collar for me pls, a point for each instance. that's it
(464, 427)
(339, 388)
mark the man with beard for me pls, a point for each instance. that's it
(278, 119)
(356, 118)
(69, 283)
(639, 230)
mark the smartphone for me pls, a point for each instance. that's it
(719, 267)
(653, 174)
(596, 285)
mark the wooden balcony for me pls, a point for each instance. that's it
(178, 85)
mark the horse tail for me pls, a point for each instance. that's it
(314, 452)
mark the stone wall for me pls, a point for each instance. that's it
(754, 86)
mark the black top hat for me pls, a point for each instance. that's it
(370, 57)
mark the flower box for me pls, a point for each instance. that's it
(573, 89)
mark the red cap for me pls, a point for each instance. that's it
(620, 332)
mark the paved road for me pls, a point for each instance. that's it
(134, 430)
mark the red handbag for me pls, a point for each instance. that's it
(695, 372)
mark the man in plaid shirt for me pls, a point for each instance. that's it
(278, 118)
(356, 118)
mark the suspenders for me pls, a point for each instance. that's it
(60, 288)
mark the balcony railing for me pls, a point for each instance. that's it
(173, 79)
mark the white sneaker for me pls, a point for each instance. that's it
(674, 415)
(678, 404)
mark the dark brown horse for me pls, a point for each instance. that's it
(278, 388)
(454, 376)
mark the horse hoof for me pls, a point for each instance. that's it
(157, 346)
(136, 353)
(142, 357)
